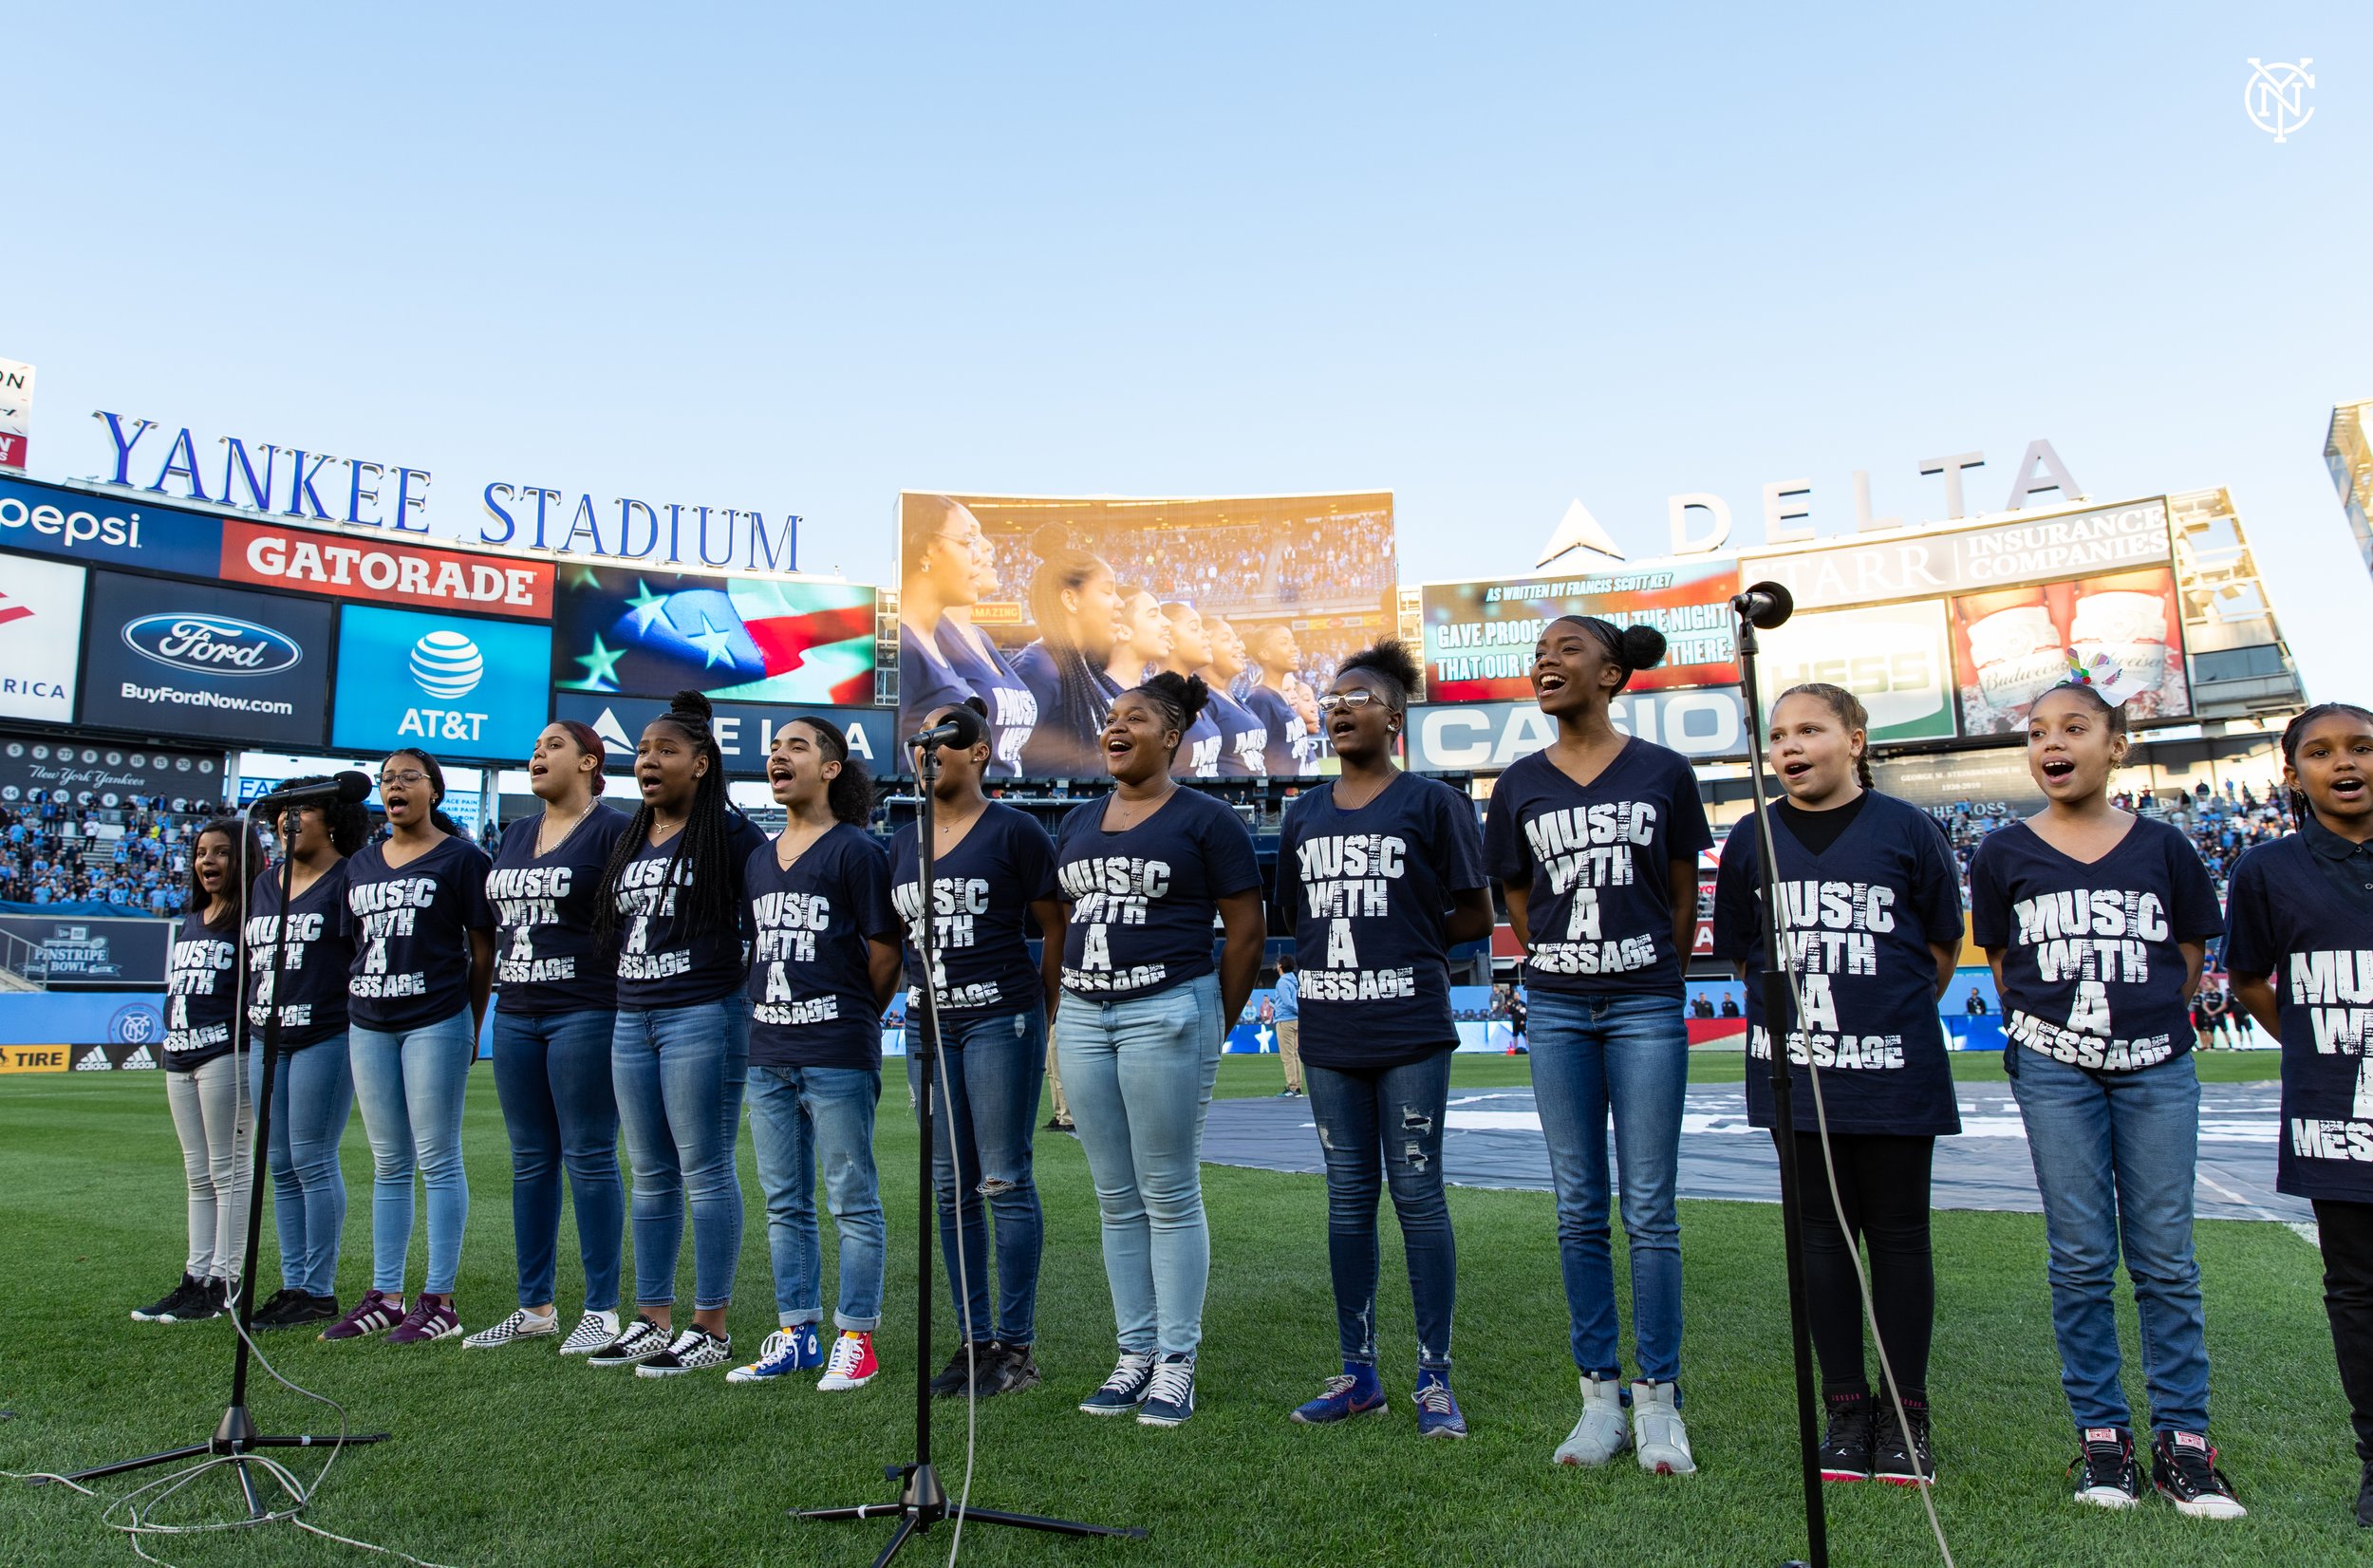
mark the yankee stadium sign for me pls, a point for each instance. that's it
(312, 486)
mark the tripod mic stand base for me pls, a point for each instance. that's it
(923, 1503)
(235, 1437)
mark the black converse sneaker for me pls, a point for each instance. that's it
(1125, 1390)
(1169, 1391)
(2183, 1468)
(695, 1349)
(176, 1305)
(2103, 1469)
(1900, 1451)
(642, 1340)
(1845, 1449)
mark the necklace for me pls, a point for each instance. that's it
(545, 842)
(1129, 812)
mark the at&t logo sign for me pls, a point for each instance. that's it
(447, 666)
(2275, 98)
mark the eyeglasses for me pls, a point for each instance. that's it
(970, 541)
(404, 780)
(1352, 700)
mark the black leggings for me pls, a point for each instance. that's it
(1882, 1181)
(2346, 1233)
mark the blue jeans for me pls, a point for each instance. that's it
(410, 1084)
(2115, 1156)
(799, 1116)
(1138, 1075)
(988, 1079)
(1628, 1054)
(312, 1095)
(678, 1074)
(551, 1072)
(1380, 1127)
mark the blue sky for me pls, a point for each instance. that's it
(1493, 259)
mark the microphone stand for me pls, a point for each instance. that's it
(922, 1499)
(236, 1437)
(1777, 1009)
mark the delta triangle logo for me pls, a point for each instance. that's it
(94, 1060)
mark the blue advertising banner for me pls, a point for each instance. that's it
(191, 658)
(462, 688)
(744, 730)
(111, 529)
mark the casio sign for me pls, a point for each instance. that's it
(211, 644)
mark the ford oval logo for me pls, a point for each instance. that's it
(211, 644)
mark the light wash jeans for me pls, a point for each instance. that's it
(678, 1073)
(1138, 1075)
(313, 1097)
(410, 1084)
(801, 1117)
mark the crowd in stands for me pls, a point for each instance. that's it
(2221, 824)
(1346, 558)
(135, 856)
(1228, 567)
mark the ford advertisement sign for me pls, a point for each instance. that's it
(185, 659)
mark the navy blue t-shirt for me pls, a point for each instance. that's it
(661, 962)
(312, 983)
(1860, 916)
(1053, 752)
(1598, 861)
(1198, 749)
(1367, 894)
(2290, 923)
(1143, 900)
(1013, 706)
(981, 891)
(1291, 750)
(1244, 739)
(811, 988)
(547, 959)
(412, 926)
(201, 992)
(926, 681)
(2092, 966)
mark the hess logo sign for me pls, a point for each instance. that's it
(212, 644)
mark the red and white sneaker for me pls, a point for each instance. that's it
(851, 1365)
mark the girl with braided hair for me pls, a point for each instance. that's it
(1074, 604)
(2301, 946)
(1145, 1011)
(1878, 873)
(674, 893)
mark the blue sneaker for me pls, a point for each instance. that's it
(1437, 1411)
(786, 1351)
(1344, 1396)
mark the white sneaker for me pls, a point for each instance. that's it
(521, 1324)
(1662, 1441)
(594, 1331)
(1602, 1433)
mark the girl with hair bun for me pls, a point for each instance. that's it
(2302, 913)
(416, 998)
(2097, 924)
(1593, 842)
(1878, 873)
(313, 1087)
(558, 982)
(1144, 872)
(674, 897)
(1380, 874)
(823, 963)
(1075, 606)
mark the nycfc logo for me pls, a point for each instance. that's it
(446, 665)
(2275, 96)
(211, 644)
(136, 1024)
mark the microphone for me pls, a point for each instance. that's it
(962, 728)
(344, 788)
(1765, 605)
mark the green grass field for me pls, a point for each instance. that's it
(513, 1457)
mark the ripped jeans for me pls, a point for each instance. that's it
(1379, 1128)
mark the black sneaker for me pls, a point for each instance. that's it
(641, 1340)
(2104, 1471)
(2183, 1468)
(1899, 1456)
(268, 1313)
(1845, 1452)
(173, 1306)
(2365, 1496)
(304, 1310)
(964, 1368)
(1170, 1391)
(1013, 1372)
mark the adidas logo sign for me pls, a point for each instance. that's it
(138, 1059)
(93, 1060)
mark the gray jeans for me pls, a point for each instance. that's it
(211, 1116)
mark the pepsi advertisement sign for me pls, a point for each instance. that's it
(76, 525)
(453, 685)
(191, 658)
